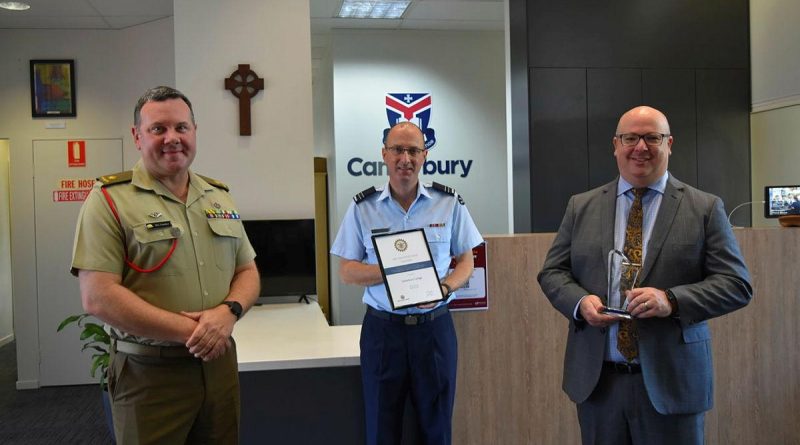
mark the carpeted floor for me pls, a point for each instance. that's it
(54, 415)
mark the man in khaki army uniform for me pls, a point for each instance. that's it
(162, 258)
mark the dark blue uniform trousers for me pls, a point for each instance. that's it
(398, 360)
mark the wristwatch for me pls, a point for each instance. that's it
(673, 302)
(447, 286)
(235, 307)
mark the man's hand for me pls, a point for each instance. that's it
(590, 311)
(647, 302)
(211, 337)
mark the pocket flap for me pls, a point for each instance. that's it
(696, 333)
(226, 227)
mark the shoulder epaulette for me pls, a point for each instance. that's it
(449, 190)
(116, 178)
(362, 195)
(215, 183)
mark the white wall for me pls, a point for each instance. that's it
(6, 319)
(775, 74)
(775, 53)
(465, 74)
(111, 67)
(271, 173)
(775, 144)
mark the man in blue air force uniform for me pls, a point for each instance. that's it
(413, 350)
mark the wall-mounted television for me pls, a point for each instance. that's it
(781, 200)
(284, 256)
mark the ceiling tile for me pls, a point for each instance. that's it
(54, 23)
(132, 7)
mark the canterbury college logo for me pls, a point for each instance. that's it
(410, 107)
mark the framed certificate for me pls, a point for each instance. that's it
(407, 268)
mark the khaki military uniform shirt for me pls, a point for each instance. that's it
(211, 242)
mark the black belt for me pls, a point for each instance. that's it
(409, 319)
(622, 367)
(152, 351)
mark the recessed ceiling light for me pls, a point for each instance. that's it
(373, 9)
(15, 6)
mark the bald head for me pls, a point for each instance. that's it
(646, 113)
(404, 126)
(642, 146)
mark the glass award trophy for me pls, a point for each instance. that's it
(623, 274)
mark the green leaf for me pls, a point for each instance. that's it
(100, 361)
(94, 330)
(69, 320)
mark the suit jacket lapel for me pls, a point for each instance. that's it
(609, 209)
(673, 194)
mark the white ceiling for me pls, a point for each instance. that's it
(463, 15)
(85, 14)
(119, 14)
(472, 15)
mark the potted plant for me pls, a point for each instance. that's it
(94, 337)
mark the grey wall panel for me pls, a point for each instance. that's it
(638, 33)
(723, 136)
(520, 122)
(673, 92)
(692, 61)
(559, 159)
(610, 92)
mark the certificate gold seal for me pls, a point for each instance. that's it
(401, 245)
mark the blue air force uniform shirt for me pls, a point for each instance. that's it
(438, 210)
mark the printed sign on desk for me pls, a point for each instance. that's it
(474, 295)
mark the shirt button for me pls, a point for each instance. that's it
(205, 292)
(194, 233)
(202, 263)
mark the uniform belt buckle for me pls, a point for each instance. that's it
(410, 320)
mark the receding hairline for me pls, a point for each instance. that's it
(659, 117)
(404, 125)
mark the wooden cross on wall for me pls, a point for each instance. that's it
(245, 84)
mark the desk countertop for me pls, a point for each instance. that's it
(292, 336)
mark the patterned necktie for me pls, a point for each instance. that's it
(627, 335)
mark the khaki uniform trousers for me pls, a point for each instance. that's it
(158, 400)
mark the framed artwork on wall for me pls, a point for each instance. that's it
(53, 88)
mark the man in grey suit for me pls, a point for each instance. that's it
(651, 386)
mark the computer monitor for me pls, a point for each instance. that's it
(285, 256)
(781, 200)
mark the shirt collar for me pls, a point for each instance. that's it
(660, 185)
(421, 191)
(143, 179)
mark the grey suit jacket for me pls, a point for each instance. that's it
(691, 251)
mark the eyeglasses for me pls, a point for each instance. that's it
(651, 139)
(412, 152)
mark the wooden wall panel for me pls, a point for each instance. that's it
(511, 356)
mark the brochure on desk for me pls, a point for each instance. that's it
(474, 295)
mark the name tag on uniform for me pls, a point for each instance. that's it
(385, 230)
(158, 225)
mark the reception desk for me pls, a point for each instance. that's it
(299, 377)
(511, 356)
(301, 381)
